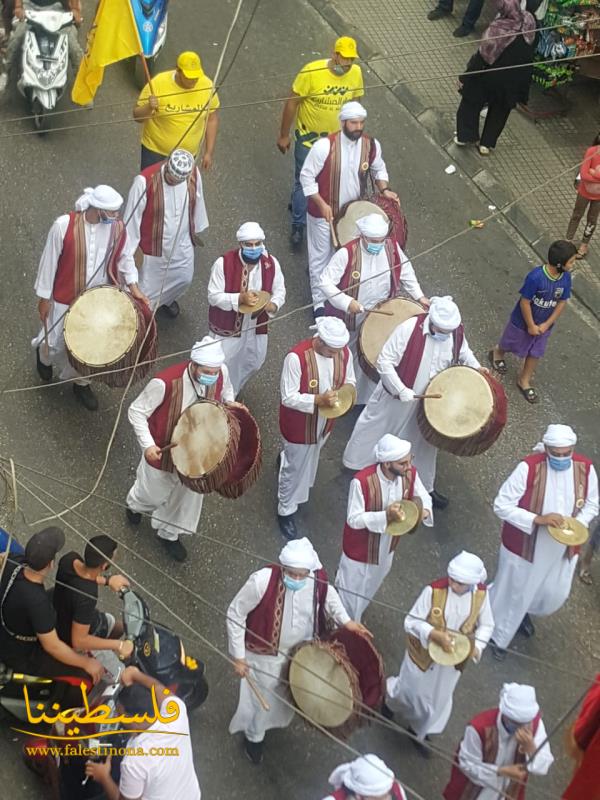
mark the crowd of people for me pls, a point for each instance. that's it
(148, 251)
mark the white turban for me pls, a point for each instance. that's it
(368, 776)
(391, 448)
(300, 554)
(518, 702)
(559, 436)
(467, 568)
(374, 225)
(250, 232)
(352, 110)
(181, 163)
(332, 331)
(104, 197)
(444, 313)
(208, 353)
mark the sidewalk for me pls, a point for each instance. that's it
(528, 154)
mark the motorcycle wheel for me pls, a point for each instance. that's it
(139, 74)
(195, 694)
(41, 121)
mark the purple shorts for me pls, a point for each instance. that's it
(518, 341)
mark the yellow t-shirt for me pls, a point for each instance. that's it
(163, 130)
(319, 114)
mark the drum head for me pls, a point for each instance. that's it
(377, 329)
(202, 437)
(320, 685)
(345, 226)
(101, 326)
(466, 405)
(460, 650)
(573, 533)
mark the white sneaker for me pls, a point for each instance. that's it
(457, 142)
(3, 82)
(483, 113)
(484, 151)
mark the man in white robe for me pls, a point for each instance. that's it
(500, 748)
(272, 613)
(312, 372)
(365, 777)
(334, 173)
(235, 278)
(392, 407)
(373, 502)
(85, 248)
(153, 415)
(423, 690)
(535, 571)
(165, 215)
(362, 274)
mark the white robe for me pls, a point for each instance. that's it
(374, 287)
(172, 504)
(470, 759)
(162, 280)
(297, 626)
(244, 354)
(425, 698)
(365, 579)
(385, 413)
(299, 462)
(97, 240)
(318, 232)
(542, 586)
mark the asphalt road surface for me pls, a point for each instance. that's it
(482, 269)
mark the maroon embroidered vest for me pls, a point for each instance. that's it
(236, 273)
(328, 180)
(459, 786)
(411, 358)
(523, 544)
(163, 419)
(350, 280)
(295, 426)
(153, 218)
(345, 794)
(263, 623)
(361, 544)
(70, 278)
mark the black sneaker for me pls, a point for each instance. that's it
(386, 711)
(254, 751)
(287, 526)
(462, 30)
(174, 548)
(133, 517)
(526, 628)
(85, 396)
(437, 13)
(499, 653)
(439, 500)
(297, 235)
(172, 310)
(44, 370)
(421, 748)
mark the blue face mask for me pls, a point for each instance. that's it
(107, 220)
(374, 248)
(511, 727)
(560, 463)
(292, 584)
(207, 380)
(252, 254)
(440, 337)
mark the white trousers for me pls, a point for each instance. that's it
(244, 357)
(250, 717)
(172, 504)
(361, 579)
(297, 474)
(320, 252)
(57, 350)
(166, 281)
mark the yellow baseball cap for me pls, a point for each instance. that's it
(189, 63)
(346, 47)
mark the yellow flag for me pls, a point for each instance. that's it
(112, 37)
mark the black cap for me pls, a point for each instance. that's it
(43, 547)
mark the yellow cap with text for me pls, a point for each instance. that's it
(346, 47)
(189, 63)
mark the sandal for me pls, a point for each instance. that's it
(499, 364)
(582, 251)
(585, 577)
(529, 394)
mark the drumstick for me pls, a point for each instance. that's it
(168, 447)
(333, 234)
(259, 696)
(427, 397)
(46, 345)
(377, 311)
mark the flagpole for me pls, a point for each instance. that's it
(141, 53)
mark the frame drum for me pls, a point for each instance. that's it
(377, 329)
(345, 223)
(248, 457)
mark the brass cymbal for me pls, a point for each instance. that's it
(264, 298)
(346, 397)
(413, 510)
(460, 650)
(573, 533)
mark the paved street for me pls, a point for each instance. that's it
(482, 269)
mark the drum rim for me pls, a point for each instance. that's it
(373, 317)
(130, 305)
(428, 403)
(223, 411)
(342, 213)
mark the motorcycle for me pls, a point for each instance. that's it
(151, 20)
(44, 62)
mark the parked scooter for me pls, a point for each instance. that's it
(44, 62)
(151, 20)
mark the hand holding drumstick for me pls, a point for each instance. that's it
(154, 453)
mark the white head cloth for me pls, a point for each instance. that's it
(467, 568)
(300, 554)
(332, 331)
(373, 225)
(557, 436)
(444, 313)
(250, 232)
(368, 776)
(518, 702)
(181, 163)
(391, 448)
(104, 197)
(208, 353)
(352, 110)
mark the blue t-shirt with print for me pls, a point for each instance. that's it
(544, 293)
